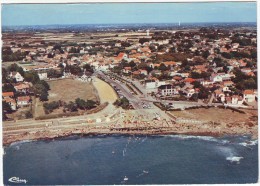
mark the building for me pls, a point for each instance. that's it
(166, 90)
(249, 96)
(17, 76)
(11, 102)
(7, 94)
(23, 101)
(23, 87)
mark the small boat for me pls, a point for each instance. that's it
(146, 172)
(113, 152)
(125, 178)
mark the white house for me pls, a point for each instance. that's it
(236, 100)
(42, 75)
(23, 101)
(150, 84)
(17, 76)
(166, 90)
(249, 96)
(219, 77)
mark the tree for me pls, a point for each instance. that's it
(8, 87)
(32, 77)
(45, 84)
(197, 84)
(203, 93)
(28, 114)
(38, 89)
(76, 70)
(71, 107)
(194, 97)
(90, 104)
(58, 47)
(132, 64)
(205, 54)
(143, 40)
(88, 68)
(80, 103)
(6, 107)
(163, 67)
(226, 55)
(49, 107)
(15, 68)
(123, 102)
(44, 96)
(4, 76)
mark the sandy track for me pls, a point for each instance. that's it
(106, 92)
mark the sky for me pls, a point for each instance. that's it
(116, 13)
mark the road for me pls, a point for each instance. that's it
(135, 101)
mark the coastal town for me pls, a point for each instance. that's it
(200, 81)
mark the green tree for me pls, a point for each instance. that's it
(90, 104)
(4, 75)
(44, 96)
(15, 68)
(32, 77)
(80, 103)
(8, 87)
(6, 107)
(163, 67)
(88, 68)
(38, 89)
(71, 106)
(45, 84)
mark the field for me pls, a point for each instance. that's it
(67, 90)
(105, 92)
(214, 114)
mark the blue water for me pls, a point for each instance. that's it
(143, 160)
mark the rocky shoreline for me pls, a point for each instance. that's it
(178, 129)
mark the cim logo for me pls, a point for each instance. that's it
(17, 180)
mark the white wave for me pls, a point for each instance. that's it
(205, 138)
(20, 142)
(234, 159)
(249, 143)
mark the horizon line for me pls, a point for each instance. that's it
(124, 23)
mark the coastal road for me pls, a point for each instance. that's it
(135, 101)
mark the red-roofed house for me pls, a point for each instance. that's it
(189, 80)
(8, 94)
(121, 56)
(23, 87)
(23, 101)
(143, 72)
(249, 96)
(11, 102)
(169, 63)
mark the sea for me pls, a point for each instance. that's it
(123, 160)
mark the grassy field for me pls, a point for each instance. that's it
(67, 90)
(213, 114)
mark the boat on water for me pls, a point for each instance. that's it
(125, 178)
(146, 172)
(113, 152)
